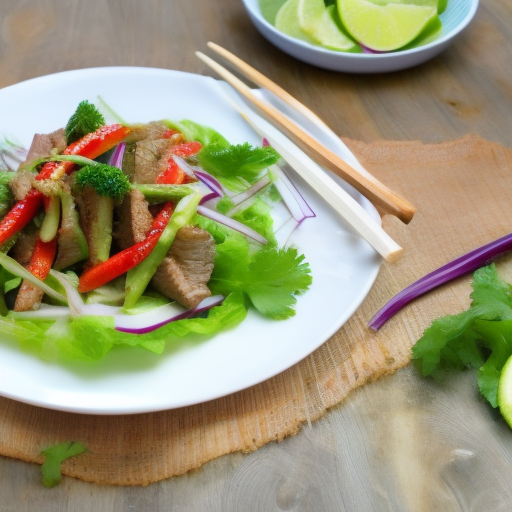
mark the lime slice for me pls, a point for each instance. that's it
(440, 5)
(270, 8)
(505, 392)
(287, 21)
(384, 27)
(319, 23)
(309, 13)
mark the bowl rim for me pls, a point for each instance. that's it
(253, 9)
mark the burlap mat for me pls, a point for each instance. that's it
(462, 192)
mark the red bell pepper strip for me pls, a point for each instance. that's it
(42, 258)
(172, 175)
(91, 146)
(187, 148)
(20, 215)
(123, 261)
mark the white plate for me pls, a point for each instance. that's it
(134, 381)
(455, 19)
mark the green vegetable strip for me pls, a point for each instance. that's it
(15, 268)
(50, 224)
(161, 193)
(138, 278)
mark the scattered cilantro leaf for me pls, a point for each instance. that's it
(86, 119)
(237, 166)
(54, 456)
(480, 337)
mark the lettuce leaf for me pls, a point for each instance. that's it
(203, 134)
(90, 338)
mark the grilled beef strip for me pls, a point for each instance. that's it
(134, 220)
(186, 270)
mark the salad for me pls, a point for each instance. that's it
(140, 235)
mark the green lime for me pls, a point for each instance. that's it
(320, 24)
(505, 392)
(270, 8)
(440, 5)
(287, 21)
(384, 27)
(309, 13)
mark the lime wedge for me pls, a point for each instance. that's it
(287, 21)
(505, 392)
(270, 8)
(384, 27)
(309, 13)
(440, 5)
(319, 23)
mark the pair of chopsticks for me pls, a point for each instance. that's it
(366, 184)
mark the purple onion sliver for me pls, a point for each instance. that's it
(153, 327)
(116, 159)
(210, 182)
(183, 165)
(306, 210)
(231, 223)
(209, 197)
(254, 189)
(204, 305)
(461, 266)
(289, 200)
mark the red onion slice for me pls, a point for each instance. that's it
(461, 266)
(231, 223)
(184, 166)
(210, 182)
(116, 159)
(155, 318)
(251, 191)
(292, 198)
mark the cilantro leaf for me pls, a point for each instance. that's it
(480, 337)
(237, 166)
(86, 119)
(270, 278)
(54, 456)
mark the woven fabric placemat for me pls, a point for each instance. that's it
(461, 189)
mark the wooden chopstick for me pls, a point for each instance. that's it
(376, 192)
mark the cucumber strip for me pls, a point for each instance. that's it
(138, 277)
(50, 224)
(18, 270)
(161, 193)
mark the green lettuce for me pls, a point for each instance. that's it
(91, 338)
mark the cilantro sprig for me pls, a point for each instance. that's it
(270, 278)
(54, 456)
(480, 337)
(237, 166)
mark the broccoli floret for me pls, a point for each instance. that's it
(86, 119)
(100, 186)
(105, 179)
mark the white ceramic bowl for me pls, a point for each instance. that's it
(456, 17)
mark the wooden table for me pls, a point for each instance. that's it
(453, 454)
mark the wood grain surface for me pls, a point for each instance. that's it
(399, 444)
